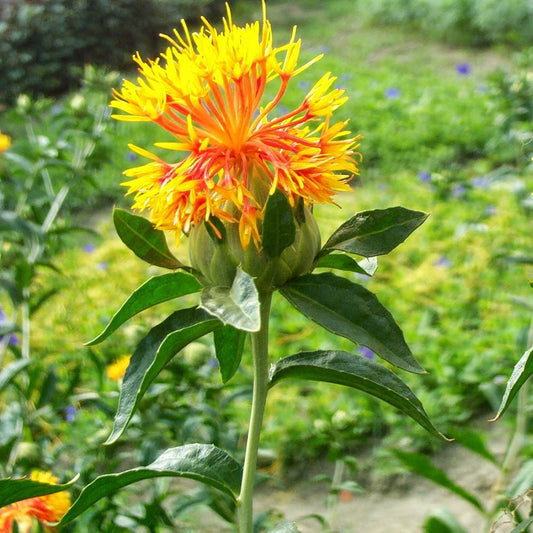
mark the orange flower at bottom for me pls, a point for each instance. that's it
(47, 509)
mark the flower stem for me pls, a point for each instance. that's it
(260, 391)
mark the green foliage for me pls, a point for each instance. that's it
(45, 44)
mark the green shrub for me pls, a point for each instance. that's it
(43, 44)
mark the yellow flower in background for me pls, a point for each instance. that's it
(117, 369)
(47, 509)
(5, 142)
(232, 143)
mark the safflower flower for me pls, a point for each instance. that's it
(233, 146)
(117, 369)
(5, 142)
(48, 509)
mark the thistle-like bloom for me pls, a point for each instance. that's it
(5, 142)
(232, 143)
(47, 509)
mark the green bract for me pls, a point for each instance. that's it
(287, 249)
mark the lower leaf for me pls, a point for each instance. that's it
(201, 462)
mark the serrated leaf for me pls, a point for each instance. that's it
(201, 462)
(162, 343)
(350, 370)
(15, 490)
(347, 263)
(11, 370)
(279, 229)
(521, 373)
(154, 291)
(377, 232)
(237, 306)
(146, 242)
(229, 345)
(349, 310)
(421, 465)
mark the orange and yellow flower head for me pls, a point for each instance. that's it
(209, 91)
(47, 509)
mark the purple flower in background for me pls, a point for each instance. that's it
(458, 191)
(490, 210)
(103, 265)
(89, 248)
(366, 352)
(304, 85)
(13, 340)
(482, 182)
(463, 69)
(70, 413)
(424, 176)
(443, 261)
(392, 92)
(213, 363)
(131, 156)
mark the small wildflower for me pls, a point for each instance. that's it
(367, 353)
(490, 210)
(424, 176)
(463, 69)
(89, 248)
(117, 369)
(47, 509)
(102, 265)
(443, 262)
(70, 413)
(5, 142)
(392, 92)
(458, 191)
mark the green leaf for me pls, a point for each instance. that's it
(154, 291)
(523, 526)
(229, 345)
(522, 481)
(422, 466)
(279, 229)
(15, 490)
(521, 372)
(237, 306)
(344, 262)
(376, 232)
(353, 371)
(475, 442)
(162, 343)
(349, 310)
(201, 462)
(442, 521)
(11, 370)
(146, 242)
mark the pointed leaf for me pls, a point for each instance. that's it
(354, 371)
(279, 229)
(350, 310)
(162, 343)
(15, 490)
(475, 442)
(237, 306)
(442, 521)
(146, 242)
(523, 526)
(229, 345)
(154, 291)
(521, 373)
(344, 262)
(421, 465)
(201, 462)
(376, 232)
(11, 370)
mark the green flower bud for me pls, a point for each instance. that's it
(217, 258)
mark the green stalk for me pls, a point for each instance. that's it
(260, 392)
